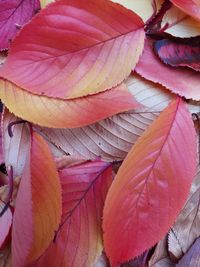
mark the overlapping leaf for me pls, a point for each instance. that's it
(180, 81)
(14, 14)
(186, 229)
(38, 205)
(191, 7)
(5, 224)
(192, 258)
(59, 113)
(146, 196)
(179, 52)
(78, 241)
(71, 49)
(17, 147)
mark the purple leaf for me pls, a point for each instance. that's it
(14, 14)
(176, 52)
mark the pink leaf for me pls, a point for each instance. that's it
(74, 48)
(14, 14)
(180, 81)
(5, 224)
(191, 7)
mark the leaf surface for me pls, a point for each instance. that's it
(187, 227)
(146, 197)
(14, 14)
(180, 81)
(191, 258)
(5, 224)
(59, 113)
(191, 7)
(38, 205)
(79, 239)
(17, 147)
(179, 52)
(75, 48)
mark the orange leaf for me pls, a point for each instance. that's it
(151, 186)
(59, 113)
(79, 239)
(74, 48)
(38, 205)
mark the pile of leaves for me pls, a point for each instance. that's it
(100, 133)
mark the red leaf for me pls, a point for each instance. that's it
(59, 113)
(78, 241)
(146, 196)
(183, 82)
(5, 224)
(191, 7)
(192, 257)
(179, 52)
(74, 48)
(14, 14)
(17, 147)
(38, 205)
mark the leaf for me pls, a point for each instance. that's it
(38, 205)
(44, 3)
(160, 258)
(78, 240)
(109, 139)
(5, 224)
(191, 7)
(144, 8)
(74, 48)
(187, 227)
(14, 14)
(182, 82)
(17, 147)
(59, 113)
(191, 259)
(5, 257)
(146, 196)
(179, 52)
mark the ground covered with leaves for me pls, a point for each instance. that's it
(100, 129)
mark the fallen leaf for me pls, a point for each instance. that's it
(160, 257)
(78, 241)
(187, 227)
(180, 81)
(191, 258)
(14, 14)
(145, 197)
(59, 113)
(17, 147)
(73, 48)
(5, 224)
(179, 52)
(38, 205)
(191, 7)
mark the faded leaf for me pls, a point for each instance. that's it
(5, 224)
(78, 240)
(14, 14)
(192, 257)
(17, 147)
(58, 113)
(160, 258)
(187, 227)
(180, 81)
(72, 49)
(191, 7)
(38, 205)
(145, 197)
